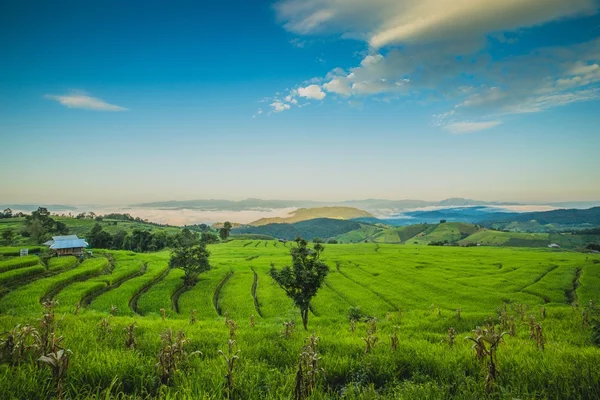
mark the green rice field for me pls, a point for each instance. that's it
(413, 290)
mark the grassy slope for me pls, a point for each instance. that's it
(380, 278)
(305, 214)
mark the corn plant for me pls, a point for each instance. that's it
(232, 328)
(172, 355)
(113, 310)
(252, 322)
(308, 369)
(163, 314)
(451, 336)
(486, 341)
(77, 308)
(543, 312)
(394, 339)
(540, 341)
(58, 362)
(370, 338)
(458, 312)
(532, 327)
(103, 328)
(17, 344)
(352, 325)
(130, 342)
(47, 325)
(288, 329)
(230, 358)
(521, 310)
(193, 317)
(508, 323)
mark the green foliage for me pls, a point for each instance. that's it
(304, 278)
(8, 237)
(355, 313)
(39, 226)
(225, 230)
(208, 238)
(192, 260)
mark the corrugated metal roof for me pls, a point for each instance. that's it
(67, 237)
(69, 244)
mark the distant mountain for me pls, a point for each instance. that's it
(324, 228)
(229, 205)
(556, 219)
(32, 207)
(470, 214)
(304, 214)
(367, 204)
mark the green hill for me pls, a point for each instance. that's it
(305, 214)
(400, 234)
(324, 228)
(563, 219)
(82, 226)
(450, 232)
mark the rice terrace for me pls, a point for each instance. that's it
(300, 200)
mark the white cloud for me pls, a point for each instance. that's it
(388, 22)
(279, 106)
(470, 127)
(290, 98)
(312, 92)
(84, 101)
(338, 85)
(436, 50)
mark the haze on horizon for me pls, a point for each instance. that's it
(118, 103)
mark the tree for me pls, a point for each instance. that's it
(192, 260)
(304, 278)
(36, 231)
(224, 231)
(118, 240)
(8, 213)
(99, 238)
(207, 237)
(8, 237)
(187, 238)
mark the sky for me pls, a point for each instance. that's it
(111, 102)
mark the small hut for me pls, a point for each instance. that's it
(69, 245)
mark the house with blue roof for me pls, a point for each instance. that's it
(69, 245)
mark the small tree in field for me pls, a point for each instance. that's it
(8, 237)
(192, 260)
(303, 279)
(224, 231)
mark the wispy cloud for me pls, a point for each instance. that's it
(78, 99)
(435, 49)
(470, 127)
(389, 22)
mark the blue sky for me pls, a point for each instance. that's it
(116, 102)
